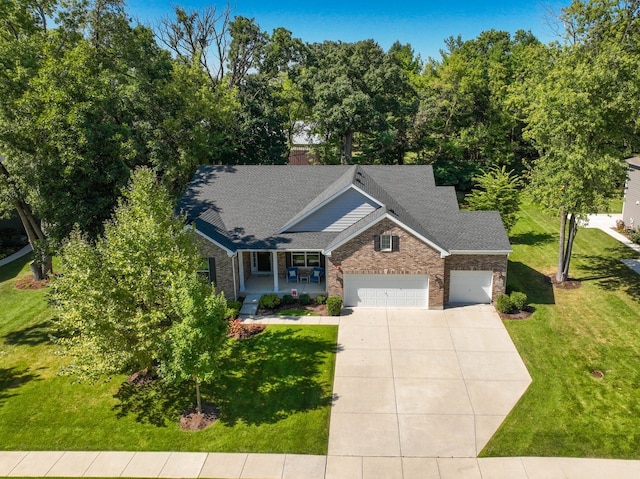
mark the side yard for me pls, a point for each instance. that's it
(575, 337)
(274, 396)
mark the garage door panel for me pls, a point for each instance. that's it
(471, 287)
(369, 290)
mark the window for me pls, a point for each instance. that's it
(207, 269)
(386, 243)
(304, 259)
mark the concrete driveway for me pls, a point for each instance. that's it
(418, 383)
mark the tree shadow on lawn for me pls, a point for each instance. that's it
(154, 403)
(263, 379)
(270, 376)
(531, 238)
(13, 378)
(609, 272)
(534, 284)
(31, 335)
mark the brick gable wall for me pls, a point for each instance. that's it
(358, 256)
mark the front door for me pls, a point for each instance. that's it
(260, 262)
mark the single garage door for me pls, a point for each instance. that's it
(470, 287)
(380, 290)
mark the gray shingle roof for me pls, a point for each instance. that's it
(245, 207)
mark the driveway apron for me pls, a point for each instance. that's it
(418, 383)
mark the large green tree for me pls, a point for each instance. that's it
(353, 89)
(464, 123)
(580, 101)
(117, 297)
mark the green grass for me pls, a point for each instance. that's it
(615, 206)
(566, 410)
(274, 396)
(296, 312)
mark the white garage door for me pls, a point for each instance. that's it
(470, 287)
(379, 290)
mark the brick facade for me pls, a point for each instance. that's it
(224, 267)
(358, 256)
(469, 262)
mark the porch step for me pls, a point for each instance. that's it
(250, 305)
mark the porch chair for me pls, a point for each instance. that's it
(316, 275)
(292, 274)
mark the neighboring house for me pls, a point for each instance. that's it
(302, 141)
(384, 235)
(631, 207)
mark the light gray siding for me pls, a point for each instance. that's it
(338, 214)
(631, 210)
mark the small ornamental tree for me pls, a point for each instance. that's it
(113, 299)
(498, 190)
(193, 344)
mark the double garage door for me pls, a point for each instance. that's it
(412, 291)
(381, 290)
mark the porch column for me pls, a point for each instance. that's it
(274, 262)
(241, 270)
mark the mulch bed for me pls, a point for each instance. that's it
(319, 309)
(523, 314)
(142, 378)
(568, 284)
(29, 283)
(237, 330)
(190, 420)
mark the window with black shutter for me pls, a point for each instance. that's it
(386, 243)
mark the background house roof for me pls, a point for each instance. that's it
(245, 207)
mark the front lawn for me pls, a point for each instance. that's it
(568, 410)
(275, 395)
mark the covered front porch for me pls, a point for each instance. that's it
(264, 284)
(263, 272)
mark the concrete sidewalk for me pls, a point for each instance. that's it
(607, 223)
(290, 466)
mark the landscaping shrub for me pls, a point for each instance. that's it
(288, 299)
(305, 299)
(233, 309)
(334, 305)
(620, 226)
(503, 303)
(634, 236)
(269, 301)
(518, 300)
(321, 299)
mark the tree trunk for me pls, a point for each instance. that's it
(566, 245)
(36, 270)
(198, 397)
(41, 266)
(345, 157)
(563, 227)
(573, 229)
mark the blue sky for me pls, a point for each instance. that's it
(424, 24)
